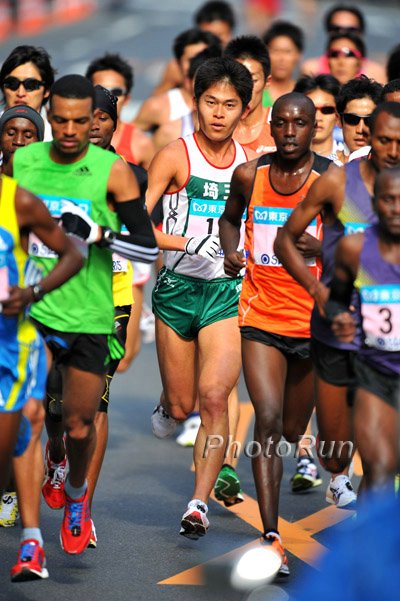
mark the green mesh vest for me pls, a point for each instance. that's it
(84, 303)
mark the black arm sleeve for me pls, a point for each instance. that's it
(140, 244)
(339, 299)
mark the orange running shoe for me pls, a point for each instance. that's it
(76, 528)
(31, 562)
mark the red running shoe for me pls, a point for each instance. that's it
(53, 487)
(76, 528)
(31, 562)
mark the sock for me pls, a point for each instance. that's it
(274, 533)
(193, 414)
(32, 533)
(75, 493)
(195, 502)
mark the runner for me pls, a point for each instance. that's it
(215, 16)
(323, 90)
(345, 53)
(343, 197)
(71, 168)
(26, 77)
(285, 43)
(194, 303)
(114, 73)
(391, 91)
(22, 213)
(19, 126)
(370, 262)
(274, 311)
(253, 130)
(344, 18)
(177, 102)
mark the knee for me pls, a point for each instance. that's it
(79, 427)
(35, 412)
(268, 423)
(293, 431)
(214, 403)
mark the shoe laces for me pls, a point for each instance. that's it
(75, 511)
(58, 476)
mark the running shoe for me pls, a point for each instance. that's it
(93, 538)
(53, 487)
(194, 521)
(31, 562)
(76, 528)
(162, 424)
(227, 486)
(340, 493)
(306, 475)
(188, 436)
(8, 510)
(275, 541)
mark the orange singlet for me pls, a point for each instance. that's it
(271, 299)
(124, 145)
(265, 142)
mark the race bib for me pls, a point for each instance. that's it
(120, 265)
(380, 309)
(267, 221)
(354, 228)
(4, 281)
(36, 248)
(203, 219)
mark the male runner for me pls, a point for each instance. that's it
(370, 262)
(343, 197)
(105, 187)
(194, 303)
(177, 102)
(114, 73)
(19, 126)
(22, 214)
(274, 312)
(254, 130)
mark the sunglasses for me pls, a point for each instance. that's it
(343, 52)
(353, 119)
(339, 29)
(326, 110)
(30, 84)
(117, 91)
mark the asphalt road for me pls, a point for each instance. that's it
(145, 482)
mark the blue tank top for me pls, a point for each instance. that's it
(354, 216)
(378, 284)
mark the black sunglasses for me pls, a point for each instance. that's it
(339, 29)
(30, 84)
(326, 110)
(117, 91)
(353, 119)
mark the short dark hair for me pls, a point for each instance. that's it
(29, 54)
(392, 86)
(286, 29)
(249, 46)
(73, 86)
(353, 37)
(391, 108)
(224, 69)
(215, 10)
(201, 57)
(112, 62)
(359, 87)
(294, 97)
(393, 172)
(393, 63)
(326, 83)
(344, 8)
(193, 36)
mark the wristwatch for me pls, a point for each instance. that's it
(38, 292)
(108, 236)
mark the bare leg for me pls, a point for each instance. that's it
(9, 426)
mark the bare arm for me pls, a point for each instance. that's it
(34, 217)
(347, 257)
(230, 220)
(324, 191)
(151, 113)
(171, 78)
(143, 148)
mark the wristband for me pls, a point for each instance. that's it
(38, 292)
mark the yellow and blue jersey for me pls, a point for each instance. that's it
(17, 334)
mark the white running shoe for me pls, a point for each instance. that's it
(8, 510)
(194, 521)
(162, 424)
(340, 493)
(188, 436)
